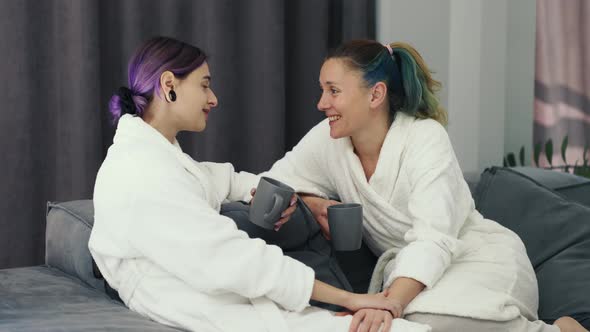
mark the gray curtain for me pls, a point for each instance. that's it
(562, 79)
(62, 59)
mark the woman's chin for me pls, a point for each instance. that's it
(335, 134)
(199, 127)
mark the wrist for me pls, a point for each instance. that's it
(346, 299)
(308, 198)
(391, 296)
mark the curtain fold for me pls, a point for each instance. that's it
(63, 59)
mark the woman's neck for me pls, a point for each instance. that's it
(150, 116)
(367, 143)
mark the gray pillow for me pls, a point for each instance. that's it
(577, 192)
(556, 233)
(575, 188)
(550, 178)
(66, 240)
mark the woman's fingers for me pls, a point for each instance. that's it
(285, 216)
(366, 323)
(356, 320)
(387, 323)
(378, 319)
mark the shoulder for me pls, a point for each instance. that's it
(427, 127)
(425, 131)
(319, 132)
(426, 142)
(131, 169)
(316, 139)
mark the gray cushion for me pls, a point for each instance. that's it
(551, 179)
(578, 193)
(69, 225)
(42, 298)
(300, 239)
(574, 188)
(66, 245)
(293, 235)
(556, 233)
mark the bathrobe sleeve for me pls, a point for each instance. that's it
(174, 227)
(439, 204)
(302, 168)
(229, 184)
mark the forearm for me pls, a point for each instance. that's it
(241, 185)
(405, 290)
(328, 294)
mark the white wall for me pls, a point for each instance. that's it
(520, 76)
(483, 52)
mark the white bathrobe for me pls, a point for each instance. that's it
(418, 203)
(158, 239)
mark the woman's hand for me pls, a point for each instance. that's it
(370, 320)
(286, 215)
(357, 302)
(319, 210)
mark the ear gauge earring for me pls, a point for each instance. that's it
(172, 95)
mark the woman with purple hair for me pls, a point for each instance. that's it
(158, 237)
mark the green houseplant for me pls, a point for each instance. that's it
(579, 168)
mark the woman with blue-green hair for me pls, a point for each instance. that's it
(384, 145)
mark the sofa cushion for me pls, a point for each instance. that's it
(66, 245)
(577, 192)
(550, 178)
(556, 233)
(69, 225)
(42, 298)
(575, 188)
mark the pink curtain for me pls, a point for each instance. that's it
(562, 79)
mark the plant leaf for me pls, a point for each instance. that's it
(549, 151)
(564, 148)
(521, 156)
(575, 167)
(511, 159)
(537, 153)
(582, 171)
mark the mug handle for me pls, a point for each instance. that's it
(278, 202)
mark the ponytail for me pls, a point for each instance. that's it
(420, 89)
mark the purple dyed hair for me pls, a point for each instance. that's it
(149, 61)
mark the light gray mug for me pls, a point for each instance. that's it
(271, 199)
(346, 226)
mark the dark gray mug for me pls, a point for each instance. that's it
(346, 226)
(271, 199)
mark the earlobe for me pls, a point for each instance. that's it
(167, 85)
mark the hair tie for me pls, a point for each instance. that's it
(396, 75)
(389, 49)
(126, 100)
